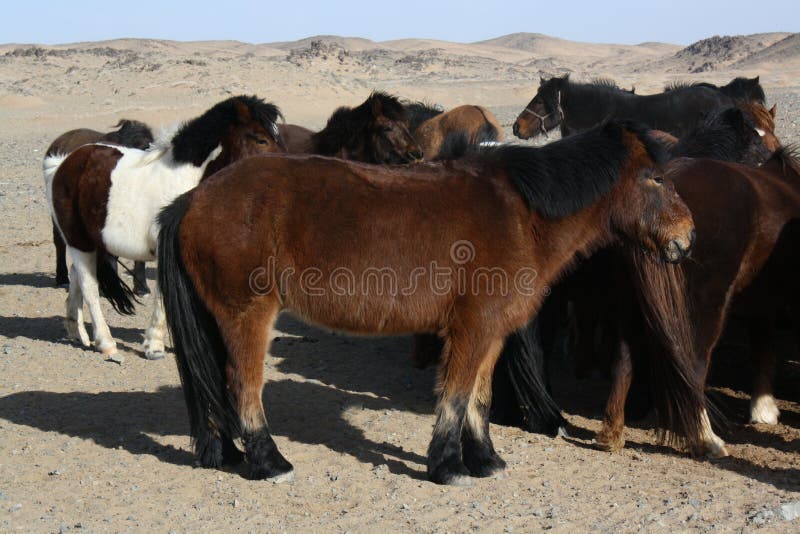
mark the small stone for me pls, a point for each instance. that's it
(6, 349)
(54, 473)
(762, 518)
(15, 507)
(62, 528)
(236, 503)
(789, 511)
(694, 502)
(117, 358)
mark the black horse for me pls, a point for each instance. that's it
(575, 107)
(739, 89)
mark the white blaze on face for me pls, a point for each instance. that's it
(760, 132)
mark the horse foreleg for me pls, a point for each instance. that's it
(611, 436)
(762, 404)
(478, 451)
(154, 335)
(246, 336)
(73, 322)
(85, 267)
(463, 356)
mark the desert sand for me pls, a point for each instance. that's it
(88, 445)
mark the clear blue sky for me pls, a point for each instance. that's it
(609, 21)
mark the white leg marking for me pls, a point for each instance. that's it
(73, 321)
(85, 265)
(764, 410)
(713, 445)
(154, 335)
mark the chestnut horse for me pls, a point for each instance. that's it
(577, 106)
(312, 234)
(374, 132)
(478, 125)
(104, 199)
(130, 133)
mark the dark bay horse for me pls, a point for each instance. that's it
(601, 292)
(105, 197)
(476, 123)
(129, 133)
(577, 106)
(745, 264)
(311, 235)
(374, 132)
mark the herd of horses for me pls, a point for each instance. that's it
(605, 217)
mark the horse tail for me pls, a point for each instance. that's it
(490, 130)
(677, 394)
(200, 351)
(112, 287)
(521, 396)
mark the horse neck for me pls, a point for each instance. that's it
(586, 105)
(560, 242)
(326, 143)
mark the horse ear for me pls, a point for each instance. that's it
(377, 108)
(773, 110)
(755, 80)
(541, 81)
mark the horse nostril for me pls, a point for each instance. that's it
(416, 155)
(515, 128)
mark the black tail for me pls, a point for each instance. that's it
(520, 395)
(112, 287)
(199, 348)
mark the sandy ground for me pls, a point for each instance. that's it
(93, 446)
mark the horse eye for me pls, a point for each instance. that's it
(658, 179)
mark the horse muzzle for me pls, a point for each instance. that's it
(679, 249)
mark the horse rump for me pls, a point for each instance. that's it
(200, 351)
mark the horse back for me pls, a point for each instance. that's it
(287, 218)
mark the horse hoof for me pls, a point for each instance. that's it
(108, 350)
(717, 451)
(141, 292)
(609, 443)
(451, 473)
(154, 355)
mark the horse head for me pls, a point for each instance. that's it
(544, 111)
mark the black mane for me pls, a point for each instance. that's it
(197, 138)
(787, 156)
(565, 176)
(724, 135)
(419, 112)
(347, 127)
(131, 133)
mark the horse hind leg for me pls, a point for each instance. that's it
(478, 452)
(762, 403)
(154, 335)
(85, 270)
(73, 321)
(246, 336)
(140, 288)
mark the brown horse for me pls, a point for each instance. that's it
(129, 133)
(745, 264)
(389, 250)
(104, 199)
(478, 125)
(374, 132)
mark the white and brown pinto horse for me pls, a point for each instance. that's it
(105, 198)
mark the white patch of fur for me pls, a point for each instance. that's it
(142, 183)
(713, 444)
(760, 132)
(50, 166)
(764, 410)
